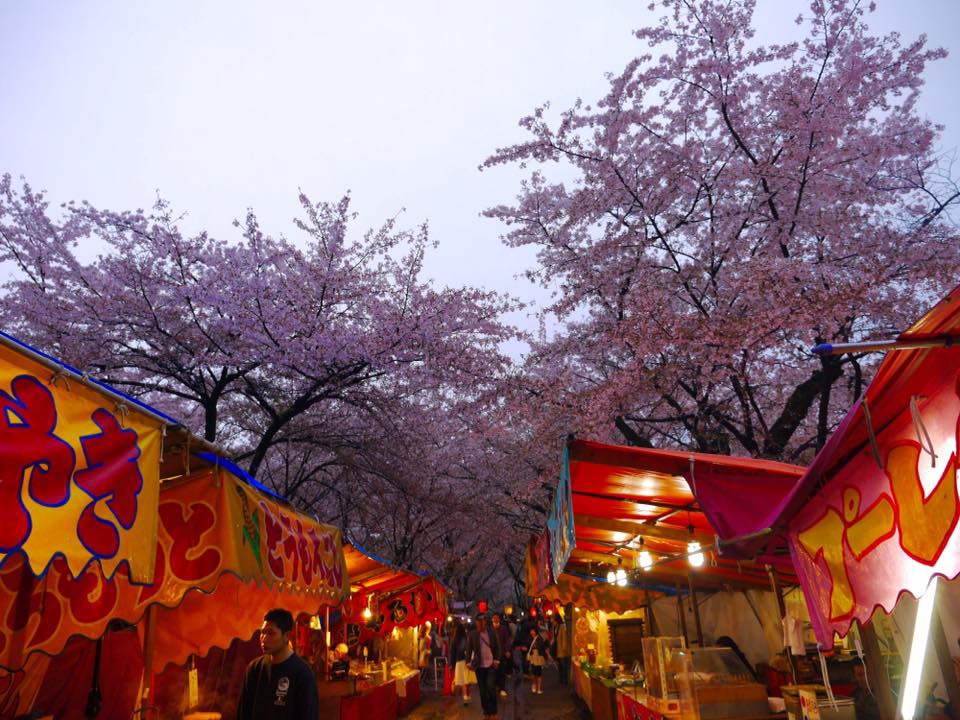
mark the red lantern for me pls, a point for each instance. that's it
(533, 612)
(482, 606)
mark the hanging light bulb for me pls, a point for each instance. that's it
(611, 577)
(694, 556)
(367, 613)
(644, 559)
(621, 574)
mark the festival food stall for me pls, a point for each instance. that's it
(80, 468)
(99, 559)
(226, 554)
(875, 517)
(382, 629)
(246, 552)
(626, 540)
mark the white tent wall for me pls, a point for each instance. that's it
(753, 624)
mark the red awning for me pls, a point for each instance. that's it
(621, 494)
(902, 375)
(395, 597)
(873, 518)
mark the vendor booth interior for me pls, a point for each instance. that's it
(380, 639)
(633, 557)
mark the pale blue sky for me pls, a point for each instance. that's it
(224, 105)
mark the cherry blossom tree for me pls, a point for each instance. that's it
(724, 207)
(327, 366)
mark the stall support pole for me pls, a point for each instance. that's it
(945, 659)
(781, 606)
(877, 672)
(147, 698)
(696, 608)
(682, 614)
(651, 621)
(327, 638)
(570, 628)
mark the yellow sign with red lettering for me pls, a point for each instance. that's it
(79, 473)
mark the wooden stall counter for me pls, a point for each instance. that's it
(637, 705)
(376, 702)
(408, 692)
(603, 699)
(581, 685)
(349, 700)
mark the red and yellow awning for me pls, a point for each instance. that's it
(877, 513)
(243, 551)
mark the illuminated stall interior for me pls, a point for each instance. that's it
(379, 638)
(645, 578)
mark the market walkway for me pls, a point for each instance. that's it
(556, 703)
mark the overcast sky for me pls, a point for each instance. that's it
(227, 105)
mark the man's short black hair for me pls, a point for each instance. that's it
(281, 618)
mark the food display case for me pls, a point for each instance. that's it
(662, 660)
(713, 683)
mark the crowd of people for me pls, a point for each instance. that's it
(487, 653)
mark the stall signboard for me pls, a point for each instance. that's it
(539, 568)
(413, 607)
(886, 521)
(560, 521)
(215, 532)
(809, 705)
(79, 473)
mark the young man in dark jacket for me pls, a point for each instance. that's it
(278, 685)
(483, 652)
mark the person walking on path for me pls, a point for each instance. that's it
(562, 643)
(537, 655)
(463, 676)
(484, 656)
(506, 653)
(278, 685)
(521, 642)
